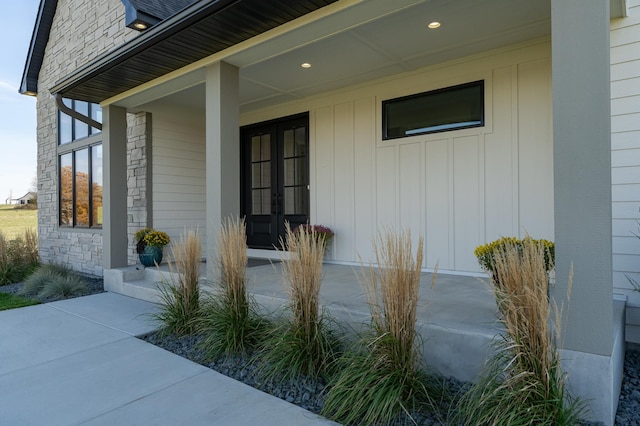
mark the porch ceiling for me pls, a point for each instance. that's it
(368, 40)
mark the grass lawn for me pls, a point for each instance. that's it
(13, 222)
(9, 301)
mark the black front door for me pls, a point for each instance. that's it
(275, 178)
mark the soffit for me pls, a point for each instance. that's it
(198, 31)
(370, 40)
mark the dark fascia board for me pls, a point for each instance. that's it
(163, 30)
(39, 39)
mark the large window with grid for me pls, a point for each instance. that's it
(80, 168)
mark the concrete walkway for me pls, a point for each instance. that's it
(77, 362)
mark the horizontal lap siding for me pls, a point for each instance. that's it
(179, 173)
(458, 189)
(625, 150)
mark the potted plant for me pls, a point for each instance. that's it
(321, 232)
(486, 253)
(149, 245)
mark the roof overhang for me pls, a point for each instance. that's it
(200, 30)
(39, 39)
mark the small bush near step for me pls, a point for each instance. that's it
(54, 282)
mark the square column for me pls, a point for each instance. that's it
(114, 196)
(223, 152)
(592, 331)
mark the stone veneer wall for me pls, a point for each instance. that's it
(81, 30)
(138, 177)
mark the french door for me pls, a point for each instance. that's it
(275, 178)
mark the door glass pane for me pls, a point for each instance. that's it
(266, 201)
(266, 174)
(96, 185)
(301, 142)
(66, 190)
(255, 148)
(295, 171)
(265, 144)
(256, 175)
(289, 144)
(295, 200)
(82, 187)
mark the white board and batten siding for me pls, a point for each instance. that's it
(178, 164)
(458, 189)
(625, 160)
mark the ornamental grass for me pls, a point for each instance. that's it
(18, 257)
(230, 322)
(384, 376)
(305, 342)
(181, 296)
(523, 383)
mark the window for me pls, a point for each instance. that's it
(80, 167)
(70, 129)
(451, 108)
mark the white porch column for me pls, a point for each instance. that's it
(114, 196)
(223, 151)
(593, 338)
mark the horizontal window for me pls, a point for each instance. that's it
(451, 108)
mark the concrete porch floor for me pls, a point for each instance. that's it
(457, 318)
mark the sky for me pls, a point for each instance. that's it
(17, 112)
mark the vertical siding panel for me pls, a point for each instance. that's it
(387, 187)
(411, 180)
(466, 202)
(535, 149)
(437, 204)
(499, 176)
(344, 182)
(364, 177)
(324, 166)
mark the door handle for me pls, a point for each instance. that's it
(274, 203)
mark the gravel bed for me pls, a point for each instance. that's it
(309, 395)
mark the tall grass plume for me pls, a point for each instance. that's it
(385, 375)
(305, 343)
(230, 322)
(181, 296)
(523, 383)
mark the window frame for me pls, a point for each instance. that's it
(89, 143)
(481, 123)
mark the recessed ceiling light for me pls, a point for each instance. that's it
(305, 65)
(433, 25)
(140, 26)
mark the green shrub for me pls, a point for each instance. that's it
(54, 282)
(181, 297)
(45, 274)
(230, 322)
(64, 287)
(384, 375)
